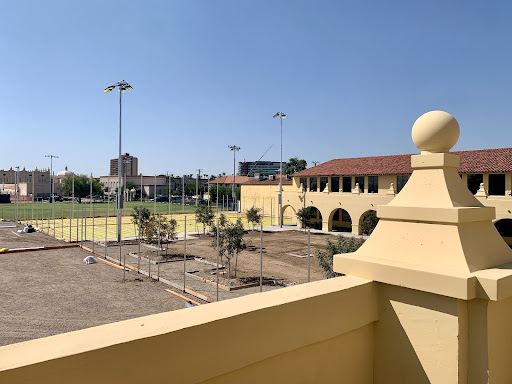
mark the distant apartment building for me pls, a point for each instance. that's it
(249, 168)
(130, 163)
(37, 180)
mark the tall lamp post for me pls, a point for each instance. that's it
(123, 86)
(52, 198)
(282, 116)
(234, 148)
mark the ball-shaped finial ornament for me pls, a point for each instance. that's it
(435, 131)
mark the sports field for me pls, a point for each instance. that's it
(44, 210)
(100, 228)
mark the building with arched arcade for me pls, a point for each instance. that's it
(344, 191)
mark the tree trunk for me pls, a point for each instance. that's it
(236, 262)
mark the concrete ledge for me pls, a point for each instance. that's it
(456, 285)
(456, 215)
(250, 328)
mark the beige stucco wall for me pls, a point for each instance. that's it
(265, 197)
(343, 359)
(292, 332)
(416, 337)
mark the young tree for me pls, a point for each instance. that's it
(205, 216)
(343, 245)
(294, 165)
(234, 242)
(145, 216)
(231, 241)
(253, 216)
(304, 215)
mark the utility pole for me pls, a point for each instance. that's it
(197, 184)
(315, 163)
(234, 148)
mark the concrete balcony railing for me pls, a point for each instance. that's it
(307, 333)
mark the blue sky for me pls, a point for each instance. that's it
(352, 77)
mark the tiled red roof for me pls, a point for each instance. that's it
(229, 180)
(474, 161)
(254, 181)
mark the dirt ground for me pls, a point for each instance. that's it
(284, 256)
(48, 292)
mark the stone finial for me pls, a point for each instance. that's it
(481, 191)
(356, 190)
(435, 222)
(435, 132)
(391, 190)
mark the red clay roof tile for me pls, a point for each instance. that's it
(474, 161)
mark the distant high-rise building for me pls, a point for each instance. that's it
(249, 168)
(130, 163)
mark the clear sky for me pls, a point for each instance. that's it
(352, 77)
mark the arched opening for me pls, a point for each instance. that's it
(340, 220)
(504, 227)
(314, 218)
(289, 215)
(368, 221)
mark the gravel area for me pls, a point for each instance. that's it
(53, 291)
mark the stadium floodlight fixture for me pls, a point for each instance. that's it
(122, 86)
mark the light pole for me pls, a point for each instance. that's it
(197, 184)
(123, 86)
(234, 148)
(51, 182)
(282, 116)
(16, 181)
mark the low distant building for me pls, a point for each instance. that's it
(150, 185)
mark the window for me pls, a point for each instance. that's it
(360, 181)
(335, 184)
(347, 184)
(304, 182)
(401, 180)
(474, 182)
(323, 183)
(373, 184)
(497, 184)
(313, 184)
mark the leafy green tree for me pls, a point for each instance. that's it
(342, 245)
(205, 216)
(294, 165)
(304, 215)
(253, 216)
(82, 186)
(223, 191)
(369, 223)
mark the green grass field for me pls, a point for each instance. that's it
(38, 211)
